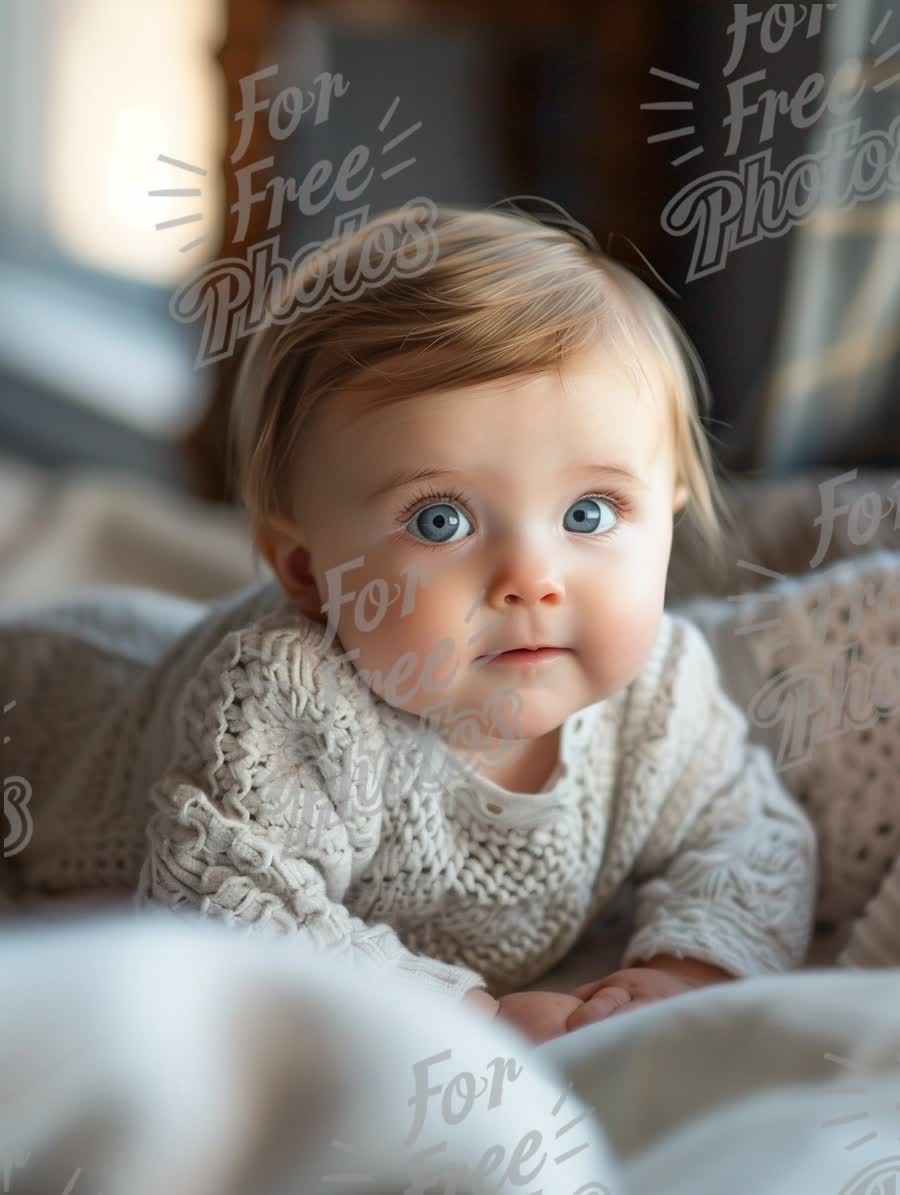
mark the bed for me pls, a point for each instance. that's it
(142, 1055)
(677, 1098)
(68, 532)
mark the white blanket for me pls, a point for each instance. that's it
(62, 533)
(185, 1058)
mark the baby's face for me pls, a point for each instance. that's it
(548, 521)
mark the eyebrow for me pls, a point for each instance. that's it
(404, 477)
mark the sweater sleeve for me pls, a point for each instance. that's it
(271, 807)
(728, 873)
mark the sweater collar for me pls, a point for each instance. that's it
(500, 805)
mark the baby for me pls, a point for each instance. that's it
(458, 719)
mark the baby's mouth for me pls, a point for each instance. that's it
(522, 657)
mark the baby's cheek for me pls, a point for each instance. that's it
(407, 668)
(431, 624)
(621, 632)
(640, 599)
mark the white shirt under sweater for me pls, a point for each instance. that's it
(229, 778)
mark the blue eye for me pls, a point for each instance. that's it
(587, 519)
(438, 523)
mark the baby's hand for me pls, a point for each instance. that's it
(623, 990)
(539, 1015)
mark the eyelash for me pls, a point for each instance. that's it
(622, 506)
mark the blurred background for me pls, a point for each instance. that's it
(741, 157)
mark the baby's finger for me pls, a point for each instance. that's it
(635, 1002)
(601, 1005)
(588, 989)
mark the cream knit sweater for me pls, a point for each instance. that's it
(222, 762)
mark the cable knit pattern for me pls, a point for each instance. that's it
(286, 797)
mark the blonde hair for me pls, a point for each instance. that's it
(502, 293)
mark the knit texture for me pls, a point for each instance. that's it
(820, 681)
(92, 683)
(248, 773)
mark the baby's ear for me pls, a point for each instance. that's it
(289, 559)
(680, 498)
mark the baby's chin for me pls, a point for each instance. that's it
(499, 744)
(502, 708)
